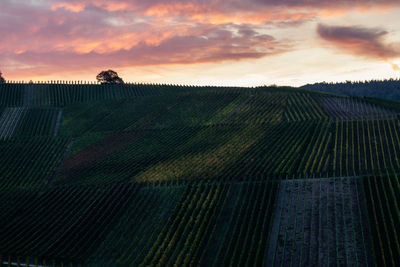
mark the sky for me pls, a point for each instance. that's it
(201, 42)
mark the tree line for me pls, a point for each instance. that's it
(387, 88)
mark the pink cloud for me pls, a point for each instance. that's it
(39, 36)
(196, 6)
(70, 6)
(214, 44)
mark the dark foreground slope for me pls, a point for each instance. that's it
(139, 175)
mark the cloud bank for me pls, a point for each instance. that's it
(361, 41)
(49, 36)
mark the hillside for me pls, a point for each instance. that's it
(162, 175)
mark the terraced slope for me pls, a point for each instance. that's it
(162, 175)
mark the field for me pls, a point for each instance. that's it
(163, 175)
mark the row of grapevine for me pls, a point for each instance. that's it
(316, 156)
(320, 222)
(230, 109)
(270, 104)
(170, 111)
(139, 225)
(315, 222)
(164, 88)
(222, 152)
(58, 224)
(112, 143)
(9, 120)
(301, 106)
(80, 118)
(382, 194)
(389, 104)
(291, 106)
(17, 122)
(157, 155)
(119, 157)
(150, 112)
(11, 94)
(28, 162)
(288, 106)
(252, 221)
(260, 108)
(64, 94)
(340, 148)
(345, 148)
(189, 110)
(136, 231)
(12, 202)
(346, 108)
(229, 152)
(39, 121)
(20, 94)
(278, 151)
(61, 95)
(199, 178)
(366, 147)
(217, 225)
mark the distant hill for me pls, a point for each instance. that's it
(166, 175)
(388, 89)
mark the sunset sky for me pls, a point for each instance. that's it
(201, 42)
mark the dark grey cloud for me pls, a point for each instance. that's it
(358, 40)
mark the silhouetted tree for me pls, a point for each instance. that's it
(2, 80)
(109, 77)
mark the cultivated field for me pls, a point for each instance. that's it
(163, 175)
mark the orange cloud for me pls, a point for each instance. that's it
(70, 6)
(222, 11)
(87, 33)
(215, 44)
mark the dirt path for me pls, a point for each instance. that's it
(29, 95)
(58, 122)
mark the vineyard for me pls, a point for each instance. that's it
(166, 175)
